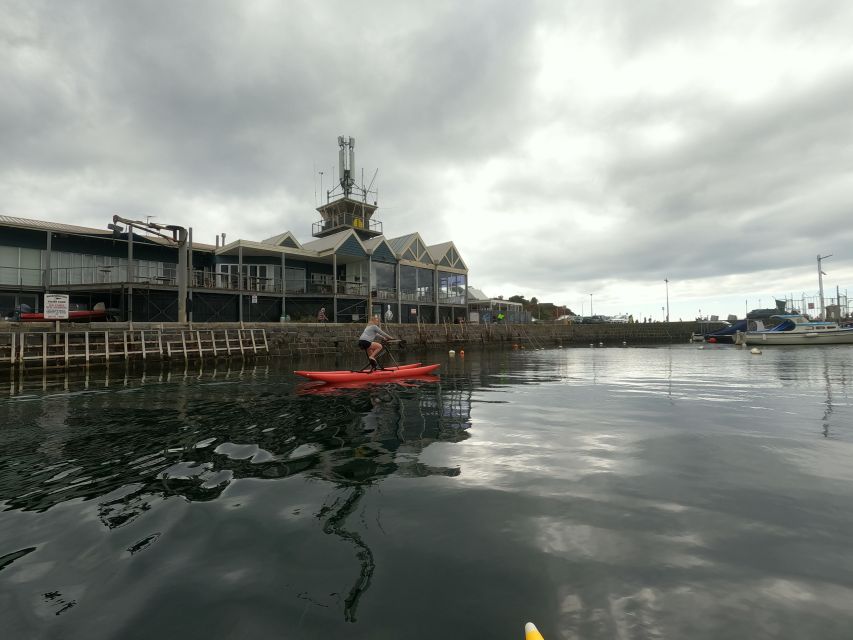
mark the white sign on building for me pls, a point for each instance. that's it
(55, 306)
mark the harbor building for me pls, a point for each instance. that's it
(138, 269)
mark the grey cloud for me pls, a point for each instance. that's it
(216, 114)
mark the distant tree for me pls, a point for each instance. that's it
(517, 298)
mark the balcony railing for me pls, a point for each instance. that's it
(420, 295)
(20, 277)
(350, 288)
(385, 294)
(111, 274)
(202, 279)
(235, 282)
(354, 220)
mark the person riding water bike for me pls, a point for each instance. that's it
(368, 341)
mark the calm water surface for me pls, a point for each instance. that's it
(602, 493)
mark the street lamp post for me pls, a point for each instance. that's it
(590, 304)
(666, 280)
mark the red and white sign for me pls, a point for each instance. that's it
(811, 305)
(55, 306)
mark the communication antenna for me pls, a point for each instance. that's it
(346, 162)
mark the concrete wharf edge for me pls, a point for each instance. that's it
(311, 339)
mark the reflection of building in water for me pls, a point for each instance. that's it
(154, 440)
(391, 434)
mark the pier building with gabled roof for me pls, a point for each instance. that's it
(347, 267)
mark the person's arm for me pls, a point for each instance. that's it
(383, 334)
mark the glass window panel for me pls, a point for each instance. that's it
(426, 284)
(9, 257)
(294, 279)
(383, 276)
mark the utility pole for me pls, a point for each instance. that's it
(820, 275)
(666, 280)
(590, 304)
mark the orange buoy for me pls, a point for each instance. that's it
(712, 340)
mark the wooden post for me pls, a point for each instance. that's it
(184, 343)
(264, 334)
(44, 349)
(198, 342)
(86, 340)
(240, 340)
(106, 346)
(124, 339)
(227, 342)
(12, 354)
(160, 343)
(142, 341)
(213, 342)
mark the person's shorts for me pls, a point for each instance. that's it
(363, 344)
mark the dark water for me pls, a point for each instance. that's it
(602, 493)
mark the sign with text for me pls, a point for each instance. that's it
(254, 299)
(55, 306)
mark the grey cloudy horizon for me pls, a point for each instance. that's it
(566, 148)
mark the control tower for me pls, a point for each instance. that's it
(348, 205)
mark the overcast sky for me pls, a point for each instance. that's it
(567, 147)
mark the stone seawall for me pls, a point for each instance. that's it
(301, 339)
(313, 339)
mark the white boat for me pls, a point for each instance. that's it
(797, 329)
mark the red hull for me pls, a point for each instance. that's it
(375, 376)
(73, 316)
(308, 373)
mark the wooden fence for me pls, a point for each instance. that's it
(71, 348)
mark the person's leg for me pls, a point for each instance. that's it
(372, 350)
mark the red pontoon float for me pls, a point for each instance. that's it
(404, 371)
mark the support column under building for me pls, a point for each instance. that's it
(240, 283)
(48, 276)
(334, 287)
(399, 295)
(283, 287)
(131, 274)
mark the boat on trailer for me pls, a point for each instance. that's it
(795, 328)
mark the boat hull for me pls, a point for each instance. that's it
(401, 367)
(374, 376)
(840, 336)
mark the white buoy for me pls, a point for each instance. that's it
(755, 351)
(451, 353)
(624, 343)
(600, 344)
(591, 344)
(702, 347)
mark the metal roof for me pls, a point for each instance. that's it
(399, 244)
(331, 242)
(281, 237)
(44, 225)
